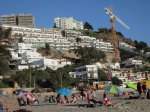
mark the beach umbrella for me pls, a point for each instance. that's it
(131, 85)
(64, 91)
(28, 95)
(112, 89)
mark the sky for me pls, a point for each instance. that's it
(134, 13)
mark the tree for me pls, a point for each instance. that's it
(47, 48)
(102, 75)
(78, 39)
(54, 25)
(89, 55)
(141, 45)
(2, 33)
(87, 26)
(8, 33)
(5, 33)
(116, 81)
(4, 59)
(119, 33)
(103, 30)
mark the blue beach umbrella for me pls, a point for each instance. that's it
(112, 89)
(64, 91)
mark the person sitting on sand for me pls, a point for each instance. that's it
(73, 99)
(106, 101)
(66, 99)
(59, 99)
(46, 98)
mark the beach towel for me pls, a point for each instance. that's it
(130, 102)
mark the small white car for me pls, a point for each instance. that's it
(122, 86)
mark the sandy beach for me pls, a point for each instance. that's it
(133, 105)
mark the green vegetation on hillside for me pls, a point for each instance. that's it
(89, 55)
(89, 33)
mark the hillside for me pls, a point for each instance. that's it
(106, 35)
(55, 54)
(101, 36)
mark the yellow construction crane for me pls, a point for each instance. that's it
(113, 31)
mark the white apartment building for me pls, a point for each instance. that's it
(68, 23)
(85, 72)
(103, 46)
(124, 76)
(90, 71)
(133, 62)
(125, 46)
(25, 53)
(53, 42)
(18, 32)
(108, 65)
(147, 54)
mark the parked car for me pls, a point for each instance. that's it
(122, 86)
(18, 91)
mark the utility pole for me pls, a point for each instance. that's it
(60, 79)
(29, 72)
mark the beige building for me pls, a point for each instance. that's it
(25, 20)
(9, 19)
(68, 23)
(18, 20)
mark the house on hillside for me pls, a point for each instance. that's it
(24, 56)
(132, 63)
(91, 71)
(85, 72)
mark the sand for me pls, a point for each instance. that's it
(135, 105)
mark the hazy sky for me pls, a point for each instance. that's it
(134, 13)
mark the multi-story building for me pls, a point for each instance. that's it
(9, 19)
(90, 71)
(68, 23)
(18, 20)
(25, 20)
(24, 53)
(103, 46)
(85, 72)
(125, 46)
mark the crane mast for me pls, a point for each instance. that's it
(113, 33)
(114, 38)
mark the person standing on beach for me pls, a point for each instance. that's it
(139, 89)
(144, 87)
